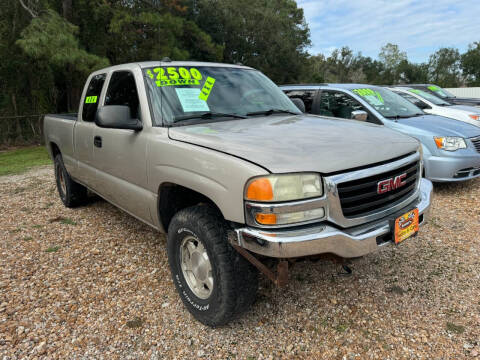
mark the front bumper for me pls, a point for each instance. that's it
(320, 239)
(446, 169)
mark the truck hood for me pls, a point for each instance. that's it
(441, 126)
(296, 143)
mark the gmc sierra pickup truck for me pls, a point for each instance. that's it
(219, 158)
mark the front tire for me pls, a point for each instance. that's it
(71, 193)
(213, 280)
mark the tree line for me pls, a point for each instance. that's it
(49, 47)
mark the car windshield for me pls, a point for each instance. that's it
(186, 94)
(432, 98)
(387, 103)
(438, 91)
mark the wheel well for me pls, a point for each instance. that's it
(173, 198)
(54, 149)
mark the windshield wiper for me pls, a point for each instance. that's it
(271, 111)
(400, 116)
(207, 115)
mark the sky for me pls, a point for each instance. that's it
(419, 27)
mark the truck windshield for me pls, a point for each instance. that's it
(185, 94)
(442, 93)
(432, 98)
(387, 103)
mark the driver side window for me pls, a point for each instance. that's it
(122, 90)
(338, 104)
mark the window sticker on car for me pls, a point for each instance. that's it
(416, 91)
(90, 100)
(190, 100)
(372, 96)
(207, 88)
(174, 76)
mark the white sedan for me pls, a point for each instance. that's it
(434, 105)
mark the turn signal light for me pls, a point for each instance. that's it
(260, 190)
(266, 219)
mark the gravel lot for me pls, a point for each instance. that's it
(94, 283)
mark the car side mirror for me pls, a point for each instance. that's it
(359, 115)
(299, 104)
(117, 117)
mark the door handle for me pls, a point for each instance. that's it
(97, 141)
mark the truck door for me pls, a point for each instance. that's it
(83, 133)
(120, 155)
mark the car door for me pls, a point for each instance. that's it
(120, 154)
(83, 133)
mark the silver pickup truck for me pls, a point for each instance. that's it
(219, 158)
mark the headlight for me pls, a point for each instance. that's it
(285, 187)
(474, 117)
(450, 143)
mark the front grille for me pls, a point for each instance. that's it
(360, 197)
(476, 143)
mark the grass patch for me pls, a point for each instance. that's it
(52, 249)
(20, 160)
(68, 221)
(457, 329)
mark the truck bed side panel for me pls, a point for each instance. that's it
(58, 130)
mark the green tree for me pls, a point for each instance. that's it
(470, 64)
(391, 57)
(410, 73)
(444, 67)
(270, 35)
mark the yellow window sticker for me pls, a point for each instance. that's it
(207, 88)
(170, 76)
(90, 100)
(370, 95)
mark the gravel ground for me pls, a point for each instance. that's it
(94, 282)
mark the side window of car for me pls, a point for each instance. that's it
(338, 104)
(306, 96)
(122, 90)
(92, 96)
(415, 101)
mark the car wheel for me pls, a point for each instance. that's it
(213, 280)
(71, 193)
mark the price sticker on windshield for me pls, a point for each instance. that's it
(372, 96)
(174, 76)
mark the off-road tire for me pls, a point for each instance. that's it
(235, 280)
(71, 193)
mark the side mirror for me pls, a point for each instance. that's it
(117, 117)
(359, 115)
(299, 104)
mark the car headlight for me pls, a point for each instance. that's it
(450, 143)
(474, 116)
(285, 187)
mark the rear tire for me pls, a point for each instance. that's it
(213, 280)
(71, 193)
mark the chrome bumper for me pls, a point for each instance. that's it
(312, 240)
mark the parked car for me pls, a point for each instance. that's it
(219, 157)
(444, 94)
(434, 105)
(451, 148)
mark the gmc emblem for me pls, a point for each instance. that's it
(391, 184)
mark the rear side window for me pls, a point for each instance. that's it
(306, 96)
(90, 103)
(338, 104)
(123, 91)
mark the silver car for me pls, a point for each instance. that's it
(451, 148)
